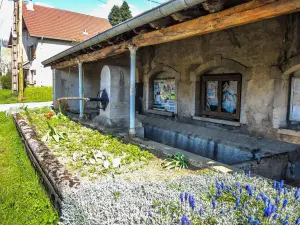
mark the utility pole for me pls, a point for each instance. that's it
(20, 52)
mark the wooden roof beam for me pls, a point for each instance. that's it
(239, 15)
(236, 16)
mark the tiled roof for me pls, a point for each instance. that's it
(61, 24)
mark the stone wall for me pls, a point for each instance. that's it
(256, 51)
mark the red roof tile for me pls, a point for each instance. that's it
(61, 24)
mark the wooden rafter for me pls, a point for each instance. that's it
(239, 15)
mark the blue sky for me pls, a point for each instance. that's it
(91, 7)
(88, 6)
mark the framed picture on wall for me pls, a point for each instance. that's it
(164, 95)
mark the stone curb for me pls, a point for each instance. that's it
(57, 180)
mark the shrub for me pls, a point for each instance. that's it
(6, 81)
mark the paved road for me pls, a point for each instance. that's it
(31, 105)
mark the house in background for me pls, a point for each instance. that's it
(48, 31)
(5, 60)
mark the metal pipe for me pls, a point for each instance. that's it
(156, 13)
(132, 50)
(80, 89)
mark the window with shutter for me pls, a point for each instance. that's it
(221, 96)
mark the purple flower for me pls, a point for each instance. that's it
(256, 222)
(184, 220)
(192, 202)
(200, 211)
(275, 184)
(285, 202)
(248, 187)
(237, 202)
(275, 217)
(279, 190)
(222, 185)
(244, 205)
(221, 212)
(251, 219)
(213, 202)
(181, 197)
(297, 194)
(298, 220)
(237, 185)
(150, 214)
(286, 223)
(281, 183)
(285, 190)
(250, 193)
(268, 211)
(186, 196)
(249, 190)
(264, 198)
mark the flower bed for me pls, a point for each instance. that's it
(141, 191)
(86, 152)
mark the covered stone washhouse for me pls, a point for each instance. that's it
(217, 78)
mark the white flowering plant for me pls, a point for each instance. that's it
(201, 199)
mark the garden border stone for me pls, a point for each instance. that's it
(57, 180)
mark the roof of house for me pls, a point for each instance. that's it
(61, 24)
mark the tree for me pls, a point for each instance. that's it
(125, 11)
(114, 16)
(119, 14)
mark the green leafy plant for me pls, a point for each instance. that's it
(52, 133)
(177, 161)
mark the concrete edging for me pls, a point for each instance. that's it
(57, 180)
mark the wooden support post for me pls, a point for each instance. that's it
(20, 52)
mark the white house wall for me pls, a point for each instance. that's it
(45, 49)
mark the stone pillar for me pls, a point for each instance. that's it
(115, 85)
(132, 50)
(80, 89)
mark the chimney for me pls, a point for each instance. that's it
(29, 5)
(85, 32)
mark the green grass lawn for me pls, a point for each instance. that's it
(31, 94)
(23, 199)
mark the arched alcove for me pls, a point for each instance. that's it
(161, 73)
(222, 67)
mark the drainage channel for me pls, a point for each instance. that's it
(257, 158)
